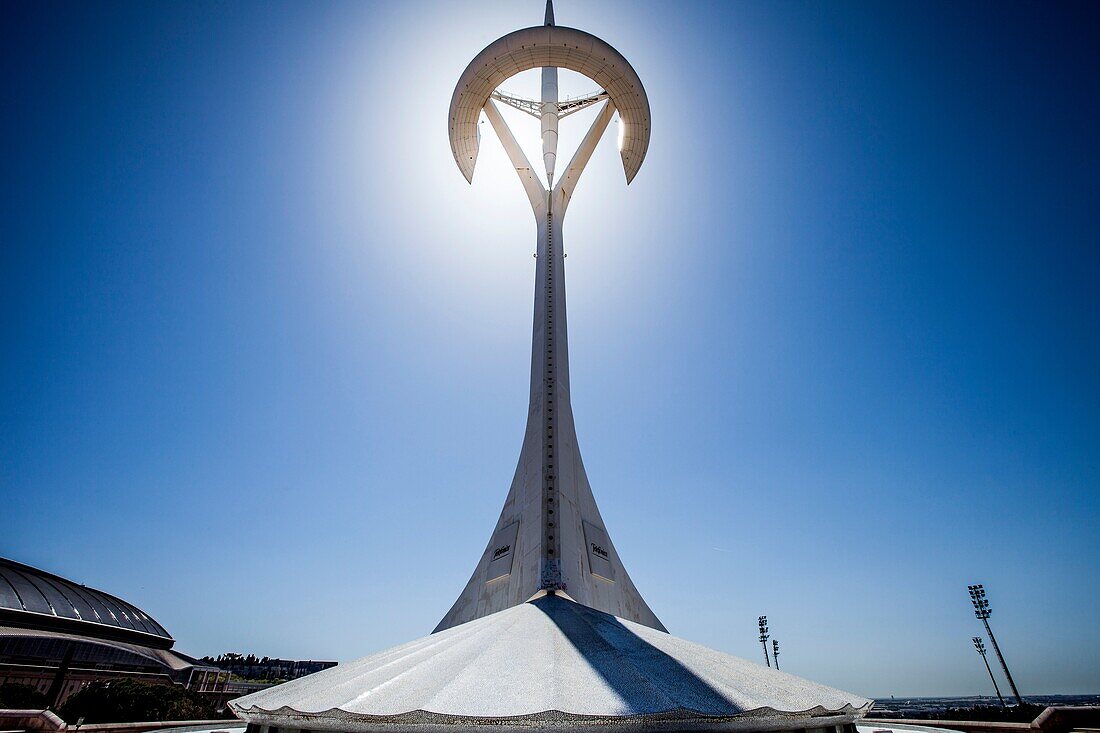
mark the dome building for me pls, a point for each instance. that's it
(58, 636)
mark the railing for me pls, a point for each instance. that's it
(46, 721)
(1055, 719)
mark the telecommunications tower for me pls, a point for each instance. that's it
(550, 536)
(549, 633)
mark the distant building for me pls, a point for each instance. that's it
(58, 636)
(261, 669)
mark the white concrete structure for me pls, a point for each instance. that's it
(550, 536)
(550, 664)
(550, 632)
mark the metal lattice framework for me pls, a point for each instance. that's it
(564, 108)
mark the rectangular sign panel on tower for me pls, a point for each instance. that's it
(599, 552)
(501, 551)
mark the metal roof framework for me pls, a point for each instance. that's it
(35, 599)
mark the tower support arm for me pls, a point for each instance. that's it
(536, 192)
(563, 192)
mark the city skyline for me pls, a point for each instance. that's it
(843, 367)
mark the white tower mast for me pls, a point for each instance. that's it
(550, 537)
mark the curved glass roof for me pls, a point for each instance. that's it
(33, 598)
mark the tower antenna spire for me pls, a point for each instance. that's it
(549, 109)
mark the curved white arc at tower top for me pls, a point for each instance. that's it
(538, 47)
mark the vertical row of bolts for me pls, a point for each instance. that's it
(552, 579)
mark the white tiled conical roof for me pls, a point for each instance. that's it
(550, 663)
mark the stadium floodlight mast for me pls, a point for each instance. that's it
(982, 611)
(979, 646)
(775, 652)
(763, 621)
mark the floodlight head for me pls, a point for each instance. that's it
(541, 47)
(979, 601)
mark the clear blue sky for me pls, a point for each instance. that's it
(834, 352)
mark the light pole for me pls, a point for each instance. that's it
(775, 652)
(982, 611)
(979, 646)
(764, 638)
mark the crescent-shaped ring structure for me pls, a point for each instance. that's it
(549, 46)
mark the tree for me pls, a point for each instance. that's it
(21, 697)
(132, 701)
